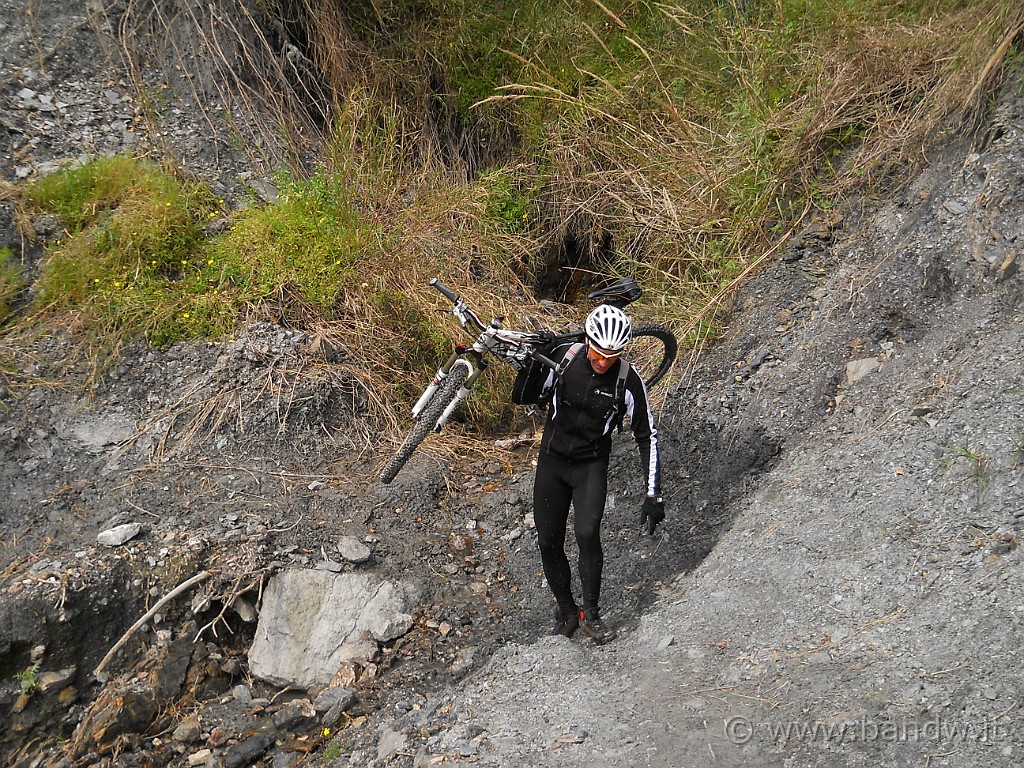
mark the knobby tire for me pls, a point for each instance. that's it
(668, 339)
(425, 423)
(670, 346)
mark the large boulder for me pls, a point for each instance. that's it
(314, 621)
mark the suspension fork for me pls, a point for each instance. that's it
(458, 357)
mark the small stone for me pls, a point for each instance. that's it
(245, 610)
(390, 743)
(121, 534)
(464, 660)
(67, 696)
(352, 550)
(188, 730)
(246, 752)
(858, 369)
(242, 694)
(1008, 268)
(48, 681)
(200, 757)
(573, 736)
(295, 715)
(335, 696)
(22, 702)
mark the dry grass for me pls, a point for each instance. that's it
(684, 178)
(905, 88)
(691, 199)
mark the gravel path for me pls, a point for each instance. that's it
(838, 582)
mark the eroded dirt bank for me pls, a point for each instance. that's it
(864, 605)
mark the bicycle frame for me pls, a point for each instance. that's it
(454, 380)
(511, 346)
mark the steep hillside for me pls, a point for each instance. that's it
(862, 605)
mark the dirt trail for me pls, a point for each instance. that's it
(838, 582)
(864, 605)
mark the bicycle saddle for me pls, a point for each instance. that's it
(618, 294)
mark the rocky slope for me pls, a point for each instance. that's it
(838, 582)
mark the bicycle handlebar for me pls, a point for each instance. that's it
(445, 291)
(466, 314)
(545, 360)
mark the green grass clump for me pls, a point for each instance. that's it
(311, 239)
(12, 281)
(84, 194)
(130, 263)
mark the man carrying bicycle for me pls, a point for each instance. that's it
(591, 397)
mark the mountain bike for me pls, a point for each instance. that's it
(454, 380)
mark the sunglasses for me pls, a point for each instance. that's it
(602, 353)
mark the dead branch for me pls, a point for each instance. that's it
(201, 576)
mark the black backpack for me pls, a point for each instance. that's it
(528, 387)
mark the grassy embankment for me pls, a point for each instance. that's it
(483, 142)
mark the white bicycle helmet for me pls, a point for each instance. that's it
(609, 328)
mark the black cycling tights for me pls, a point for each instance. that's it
(584, 485)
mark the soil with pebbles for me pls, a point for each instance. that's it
(838, 581)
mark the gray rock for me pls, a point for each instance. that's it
(246, 752)
(295, 715)
(52, 680)
(96, 432)
(118, 535)
(242, 694)
(858, 369)
(313, 621)
(333, 696)
(390, 742)
(353, 550)
(265, 190)
(329, 565)
(464, 660)
(188, 730)
(245, 610)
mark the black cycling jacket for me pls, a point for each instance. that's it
(582, 414)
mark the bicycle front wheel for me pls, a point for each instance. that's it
(424, 425)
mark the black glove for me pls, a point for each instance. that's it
(652, 512)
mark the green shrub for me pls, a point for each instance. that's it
(132, 263)
(12, 280)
